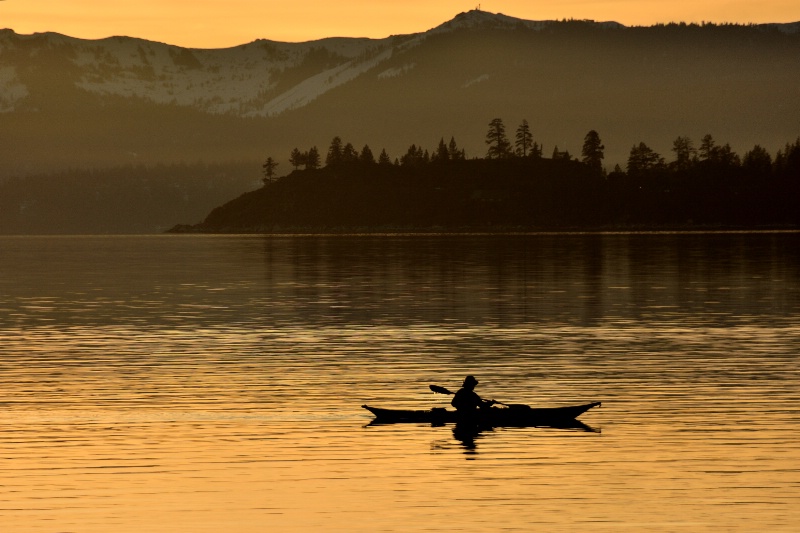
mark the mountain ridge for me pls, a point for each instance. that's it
(72, 103)
(109, 71)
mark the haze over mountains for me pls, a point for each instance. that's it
(72, 103)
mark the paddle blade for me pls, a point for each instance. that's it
(440, 390)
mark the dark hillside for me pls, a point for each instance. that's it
(514, 194)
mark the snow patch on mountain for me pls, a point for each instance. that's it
(232, 80)
(479, 79)
(315, 86)
(216, 81)
(11, 90)
(396, 71)
(372, 55)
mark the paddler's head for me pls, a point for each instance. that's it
(470, 382)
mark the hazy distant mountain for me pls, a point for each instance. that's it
(72, 103)
(260, 79)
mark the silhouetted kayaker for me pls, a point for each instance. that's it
(466, 401)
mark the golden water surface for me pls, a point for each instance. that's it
(189, 383)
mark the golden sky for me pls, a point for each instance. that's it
(217, 24)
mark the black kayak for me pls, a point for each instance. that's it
(514, 415)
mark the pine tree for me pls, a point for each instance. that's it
(524, 139)
(297, 158)
(757, 163)
(334, 156)
(366, 155)
(312, 159)
(685, 154)
(414, 156)
(442, 153)
(269, 167)
(349, 153)
(499, 147)
(707, 147)
(724, 155)
(455, 153)
(643, 159)
(452, 148)
(384, 158)
(787, 162)
(592, 152)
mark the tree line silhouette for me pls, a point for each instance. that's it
(709, 159)
(514, 187)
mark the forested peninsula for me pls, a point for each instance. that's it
(514, 188)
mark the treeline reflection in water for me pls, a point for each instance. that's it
(569, 278)
(577, 279)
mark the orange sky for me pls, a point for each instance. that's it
(207, 24)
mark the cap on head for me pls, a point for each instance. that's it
(470, 381)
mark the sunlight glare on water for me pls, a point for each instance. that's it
(198, 383)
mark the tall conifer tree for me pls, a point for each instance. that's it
(499, 146)
(524, 139)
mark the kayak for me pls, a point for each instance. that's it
(514, 415)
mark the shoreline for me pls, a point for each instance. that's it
(478, 231)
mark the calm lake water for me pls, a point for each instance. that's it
(214, 383)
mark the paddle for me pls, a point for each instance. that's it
(441, 390)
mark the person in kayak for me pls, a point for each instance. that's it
(466, 400)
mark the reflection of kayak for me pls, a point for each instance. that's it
(515, 415)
